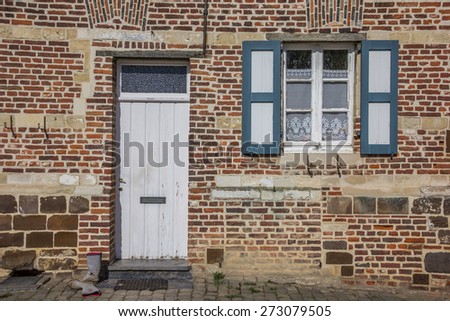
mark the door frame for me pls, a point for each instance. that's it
(140, 97)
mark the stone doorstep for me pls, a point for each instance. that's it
(23, 283)
(150, 265)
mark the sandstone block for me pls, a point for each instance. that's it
(339, 258)
(364, 205)
(8, 204)
(30, 222)
(18, 179)
(63, 222)
(447, 206)
(66, 179)
(393, 205)
(228, 122)
(11, 239)
(52, 264)
(444, 236)
(39, 239)
(214, 256)
(434, 123)
(438, 221)
(88, 179)
(78, 204)
(66, 239)
(5, 222)
(18, 260)
(427, 205)
(53, 204)
(228, 181)
(339, 205)
(28, 204)
(438, 262)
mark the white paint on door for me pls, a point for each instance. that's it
(152, 166)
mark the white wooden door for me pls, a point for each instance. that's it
(153, 174)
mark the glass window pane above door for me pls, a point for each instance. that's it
(154, 79)
(298, 65)
(335, 64)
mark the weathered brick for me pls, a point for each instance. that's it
(339, 205)
(438, 262)
(421, 279)
(5, 222)
(53, 204)
(427, 205)
(393, 205)
(66, 239)
(28, 204)
(339, 258)
(8, 204)
(439, 221)
(30, 222)
(78, 204)
(214, 256)
(18, 260)
(364, 205)
(11, 239)
(346, 270)
(39, 239)
(334, 245)
(444, 236)
(63, 222)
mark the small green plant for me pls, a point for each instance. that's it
(218, 278)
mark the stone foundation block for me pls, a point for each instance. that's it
(438, 222)
(8, 204)
(39, 239)
(66, 239)
(393, 205)
(438, 262)
(5, 222)
(63, 222)
(444, 236)
(427, 205)
(421, 279)
(11, 239)
(339, 205)
(18, 260)
(52, 264)
(28, 204)
(346, 270)
(78, 205)
(334, 245)
(53, 204)
(339, 258)
(364, 205)
(30, 222)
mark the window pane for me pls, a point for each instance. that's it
(154, 79)
(298, 127)
(262, 71)
(298, 95)
(335, 63)
(334, 95)
(334, 126)
(298, 64)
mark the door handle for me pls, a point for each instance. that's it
(122, 181)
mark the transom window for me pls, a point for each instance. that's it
(318, 95)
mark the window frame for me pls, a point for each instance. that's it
(317, 48)
(129, 96)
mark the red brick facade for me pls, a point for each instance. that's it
(373, 220)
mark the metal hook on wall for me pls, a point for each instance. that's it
(11, 128)
(308, 165)
(44, 129)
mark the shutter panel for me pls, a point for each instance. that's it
(379, 97)
(261, 83)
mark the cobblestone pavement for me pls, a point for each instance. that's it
(243, 290)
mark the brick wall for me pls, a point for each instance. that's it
(375, 220)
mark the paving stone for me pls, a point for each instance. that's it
(8, 204)
(28, 204)
(393, 205)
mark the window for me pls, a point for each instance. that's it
(308, 100)
(318, 95)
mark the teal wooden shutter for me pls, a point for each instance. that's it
(261, 89)
(379, 97)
